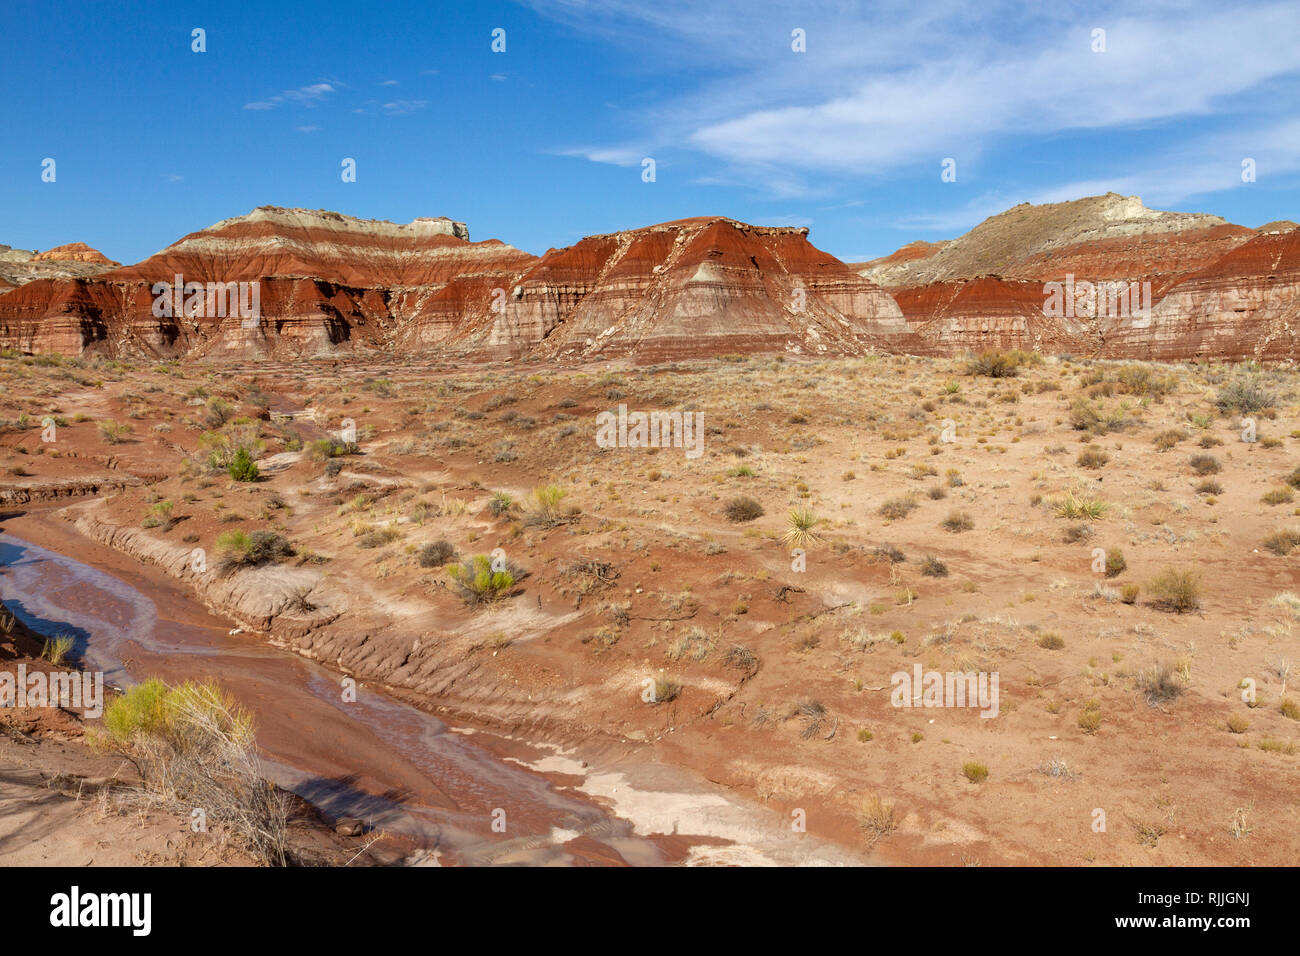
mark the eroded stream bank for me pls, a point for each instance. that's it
(383, 761)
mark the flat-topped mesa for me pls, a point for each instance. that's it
(693, 287)
(324, 283)
(365, 253)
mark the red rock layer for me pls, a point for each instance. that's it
(1245, 305)
(333, 285)
(327, 284)
(74, 252)
(1159, 258)
(696, 287)
(989, 312)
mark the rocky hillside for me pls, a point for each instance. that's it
(698, 286)
(1214, 289)
(1101, 237)
(19, 266)
(320, 284)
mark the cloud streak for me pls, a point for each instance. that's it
(879, 94)
(310, 95)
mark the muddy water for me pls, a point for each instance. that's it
(376, 759)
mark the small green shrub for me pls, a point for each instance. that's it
(477, 583)
(242, 466)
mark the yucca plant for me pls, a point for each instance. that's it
(1076, 506)
(800, 532)
(56, 649)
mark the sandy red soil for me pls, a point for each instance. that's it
(562, 660)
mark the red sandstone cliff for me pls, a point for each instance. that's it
(702, 286)
(328, 284)
(988, 288)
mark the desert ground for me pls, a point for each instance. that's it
(1100, 535)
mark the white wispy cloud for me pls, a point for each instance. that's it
(309, 95)
(401, 107)
(885, 88)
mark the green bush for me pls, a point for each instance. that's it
(476, 582)
(545, 506)
(238, 549)
(242, 467)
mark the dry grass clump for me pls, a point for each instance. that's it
(193, 746)
(436, 553)
(996, 364)
(1169, 438)
(1159, 683)
(877, 818)
(1282, 542)
(1115, 563)
(932, 567)
(743, 508)
(1246, 394)
(1176, 589)
(896, 508)
(665, 689)
(957, 522)
(1092, 458)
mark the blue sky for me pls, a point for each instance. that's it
(543, 144)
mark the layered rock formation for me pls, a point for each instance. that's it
(319, 282)
(991, 288)
(702, 286)
(291, 283)
(19, 266)
(1244, 305)
(1105, 237)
